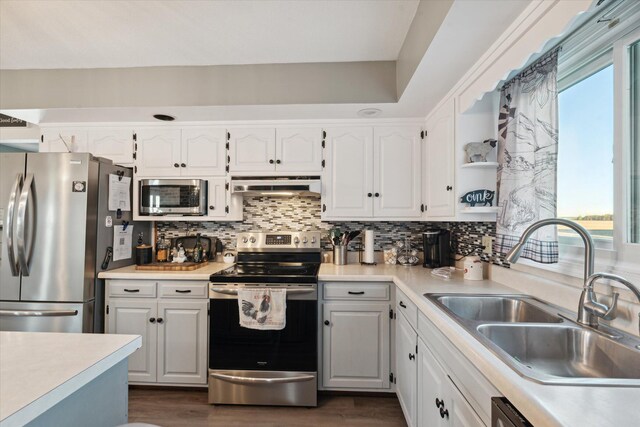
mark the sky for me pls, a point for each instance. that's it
(585, 147)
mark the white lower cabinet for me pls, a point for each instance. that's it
(355, 336)
(406, 368)
(173, 326)
(440, 402)
(356, 345)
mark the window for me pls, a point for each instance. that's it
(585, 158)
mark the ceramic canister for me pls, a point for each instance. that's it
(473, 268)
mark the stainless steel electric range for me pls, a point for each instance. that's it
(266, 367)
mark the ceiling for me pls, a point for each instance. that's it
(110, 34)
(374, 31)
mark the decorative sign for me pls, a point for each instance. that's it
(11, 122)
(479, 196)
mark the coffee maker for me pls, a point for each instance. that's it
(436, 245)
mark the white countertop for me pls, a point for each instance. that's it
(130, 272)
(542, 405)
(38, 370)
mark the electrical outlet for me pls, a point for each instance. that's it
(487, 242)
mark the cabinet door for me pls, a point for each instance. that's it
(217, 197)
(356, 345)
(252, 150)
(431, 386)
(204, 152)
(349, 174)
(299, 150)
(158, 153)
(461, 414)
(406, 378)
(137, 316)
(114, 144)
(182, 342)
(397, 172)
(439, 163)
(64, 140)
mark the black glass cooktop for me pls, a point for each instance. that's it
(272, 272)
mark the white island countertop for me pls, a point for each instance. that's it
(543, 405)
(38, 370)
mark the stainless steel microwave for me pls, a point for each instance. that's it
(173, 197)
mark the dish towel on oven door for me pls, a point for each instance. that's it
(262, 308)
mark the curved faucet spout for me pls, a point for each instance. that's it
(584, 316)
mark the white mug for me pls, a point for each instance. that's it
(473, 268)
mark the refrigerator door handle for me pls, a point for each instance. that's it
(8, 225)
(38, 313)
(23, 258)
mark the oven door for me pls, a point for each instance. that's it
(173, 197)
(294, 348)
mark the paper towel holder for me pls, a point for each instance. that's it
(360, 252)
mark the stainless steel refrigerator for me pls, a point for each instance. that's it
(55, 239)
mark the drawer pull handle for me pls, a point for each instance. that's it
(401, 304)
(356, 293)
(183, 291)
(131, 290)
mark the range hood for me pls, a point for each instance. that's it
(277, 186)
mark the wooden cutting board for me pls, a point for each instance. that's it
(171, 266)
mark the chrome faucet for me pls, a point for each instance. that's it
(600, 310)
(585, 316)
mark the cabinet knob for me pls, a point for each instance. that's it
(271, 161)
(211, 207)
(175, 165)
(326, 322)
(377, 194)
(152, 320)
(444, 413)
(401, 304)
(369, 195)
(411, 356)
(160, 320)
(439, 403)
(278, 162)
(183, 165)
(449, 188)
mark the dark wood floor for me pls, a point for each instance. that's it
(189, 408)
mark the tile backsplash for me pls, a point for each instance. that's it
(303, 214)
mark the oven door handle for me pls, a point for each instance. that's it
(254, 380)
(235, 291)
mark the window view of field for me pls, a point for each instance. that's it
(585, 158)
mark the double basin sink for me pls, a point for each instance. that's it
(539, 343)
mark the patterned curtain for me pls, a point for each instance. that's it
(527, 157)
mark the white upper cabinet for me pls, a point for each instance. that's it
(349, 173)
(397, 172)
(217, 198)
(158, 153)
(372, 173)
(191, 152)
(203, 151)
(439, 162)
(252, 150)
(113, 143)
(64, 140)
(299, 150)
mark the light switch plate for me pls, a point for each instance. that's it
(487, 242)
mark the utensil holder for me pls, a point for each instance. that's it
(340, 254)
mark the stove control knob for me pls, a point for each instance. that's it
(252, 239)
(304, 240)
(245, 240)
(296, 240)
